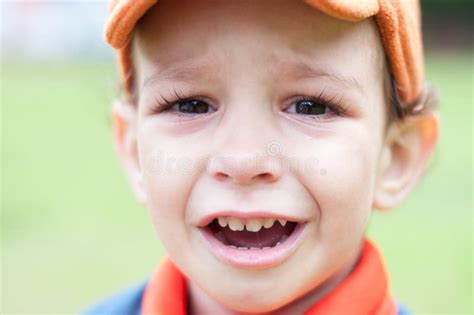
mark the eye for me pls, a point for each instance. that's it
(180, 105)
(309, 107)
(192, 106)
(312, 108)
(318, 107)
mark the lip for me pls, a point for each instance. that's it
(254, 258)
(248, 215)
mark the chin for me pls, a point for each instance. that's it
(251, 299)
(254, 307)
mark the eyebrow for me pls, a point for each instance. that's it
(301, 70)
(192, 71)
(188, 71)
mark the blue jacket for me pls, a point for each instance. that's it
(128, 302)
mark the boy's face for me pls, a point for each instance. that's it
(254, 140)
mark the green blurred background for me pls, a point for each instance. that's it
(72, 232)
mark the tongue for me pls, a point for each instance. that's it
(263, 238)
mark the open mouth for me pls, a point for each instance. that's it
(252, 242)
(250, 234)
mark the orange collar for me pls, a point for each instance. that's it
(364, 292)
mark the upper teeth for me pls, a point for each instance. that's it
(252, 225)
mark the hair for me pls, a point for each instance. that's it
(426, 102)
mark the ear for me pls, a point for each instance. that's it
(405, 155)
(124, 118)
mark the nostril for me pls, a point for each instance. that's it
(263, 176)
(246, 173)
(266, 176)
(221, 176)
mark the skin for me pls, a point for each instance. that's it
(185, 166)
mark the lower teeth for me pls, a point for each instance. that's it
(284, 237)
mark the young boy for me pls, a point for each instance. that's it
(260, 134)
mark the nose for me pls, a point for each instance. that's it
(245, 151)
(246, 162)
(245, 169)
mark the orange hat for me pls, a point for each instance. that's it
(398, 22)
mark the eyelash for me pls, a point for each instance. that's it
(165, 104)
(335, 105)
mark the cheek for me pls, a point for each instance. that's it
(169, 174)
(344, 185)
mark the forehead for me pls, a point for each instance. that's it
(274, 37)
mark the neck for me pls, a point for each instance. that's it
(200, 303)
